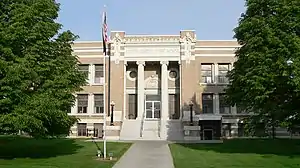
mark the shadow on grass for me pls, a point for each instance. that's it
(21, 147)
(281, 147)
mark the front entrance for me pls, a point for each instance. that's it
(152, 109)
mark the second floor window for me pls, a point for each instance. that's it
(222, 74)
(85, 70)
(98, 103)
(99, 74)
(82, 103)
(206, 73)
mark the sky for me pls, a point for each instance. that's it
(211, 19)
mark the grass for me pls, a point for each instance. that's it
(54, 153)
(246, 153)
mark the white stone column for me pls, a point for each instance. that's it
(216, 103)
(180, 91)
(141, 89)
(164, 100)
(164, 90)
(90, 104)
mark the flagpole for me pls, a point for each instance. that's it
(104, 124)
(104, 89)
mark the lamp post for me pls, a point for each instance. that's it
(112, 104)
(191, 113)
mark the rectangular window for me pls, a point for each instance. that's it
(174, 106)
(132, 106)
(207, 103)
(99, 74)
(206, 73)
(81, 129)
(98, 103)
(223, 106)
(85, 70)
(223, 70)
(82, 103)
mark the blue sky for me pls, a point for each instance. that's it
(212, 19)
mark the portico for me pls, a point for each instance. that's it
(152, 90)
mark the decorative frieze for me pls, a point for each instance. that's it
(152, 39)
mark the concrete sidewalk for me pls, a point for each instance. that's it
(147, 154)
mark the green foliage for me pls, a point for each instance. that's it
(266, 75)
(38, 73)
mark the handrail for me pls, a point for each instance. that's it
(142, 124)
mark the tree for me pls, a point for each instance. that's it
(38, 73)
(266, 76)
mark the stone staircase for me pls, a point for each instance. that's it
(151, 130)
(130, 130)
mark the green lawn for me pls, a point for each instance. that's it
(256, 153)
(16, 152)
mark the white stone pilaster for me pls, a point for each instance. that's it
(74, 108)
(92, 72)
(216, 103)
(125, 112)
(216, 73)
(233, 110)
(90, 76)
(90, 104)
(230, 66)
(213, 73)
(141, 89)
(164, 90)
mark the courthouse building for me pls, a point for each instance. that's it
(157, 81)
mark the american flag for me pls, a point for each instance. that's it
(104, 33)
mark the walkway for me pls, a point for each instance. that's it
(147, 154)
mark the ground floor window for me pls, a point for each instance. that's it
(98, 130)
(82, 129)
(226, 130)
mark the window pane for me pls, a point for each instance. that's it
(98, 97)
(99, 68)
(206, 73)
(207, 96)
(82, 97)
(223, 73)
(84, 67)
(223, 67)
(206, 67)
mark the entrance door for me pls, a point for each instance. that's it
(152, 109)
(208, 134)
